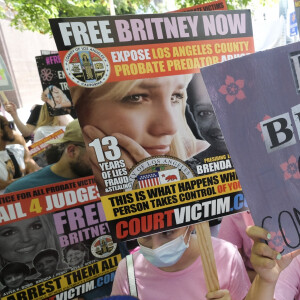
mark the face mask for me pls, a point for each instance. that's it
(168, 254)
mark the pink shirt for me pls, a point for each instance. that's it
(187, 284)
(233, 230)
(288, 284)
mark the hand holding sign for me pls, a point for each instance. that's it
(267, 262)
(104, 149)
(11, 108)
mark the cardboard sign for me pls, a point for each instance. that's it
(48, 52)
(37, 149)
(68, 249)
(56, 92)
(215, 5)
(257, 100)
(5, 80)
(130, 104)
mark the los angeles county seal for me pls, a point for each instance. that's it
(103, 246)
(86, 66)
(158, 170)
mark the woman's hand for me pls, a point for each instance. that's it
(131, 152)
(267, 263)
(219, 294)
(11, 109)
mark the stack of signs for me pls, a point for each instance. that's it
(37, 149)
(56, 92)
(257, 100)
(128, 77)
(56, 236)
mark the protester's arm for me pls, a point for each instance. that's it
(25, 129)
(267, 263)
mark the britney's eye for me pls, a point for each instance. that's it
(8, 232)
(135, 98)
(177, 97)
(36, 225)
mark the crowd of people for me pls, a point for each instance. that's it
(149, 117)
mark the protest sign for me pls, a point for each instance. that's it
(58, 238)
(104, 53)
(47, 52)
(37, 149)
(256, 99)
(56, 92)
(5, 81)
(215, 5)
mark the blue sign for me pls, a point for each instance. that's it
(293, 24)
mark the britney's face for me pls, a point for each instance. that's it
(22, 240)
(149, 113)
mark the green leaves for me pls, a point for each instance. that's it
(34, 14)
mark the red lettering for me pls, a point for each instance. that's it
(144, 224)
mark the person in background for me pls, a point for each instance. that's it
(12, 165)
(30, 164)
(73, 163)
(28, 128)
(47, 124)
(233, 229)
(169, 258)
(172, 257)
(39, 118)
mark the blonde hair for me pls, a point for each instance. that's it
(183, 144)
(45, 119)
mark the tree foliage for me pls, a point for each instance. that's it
(34, 14)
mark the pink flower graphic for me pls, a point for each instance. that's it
(258, 127)
(277, 243)
(46, 74)
(232, 89)
(290, 168)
